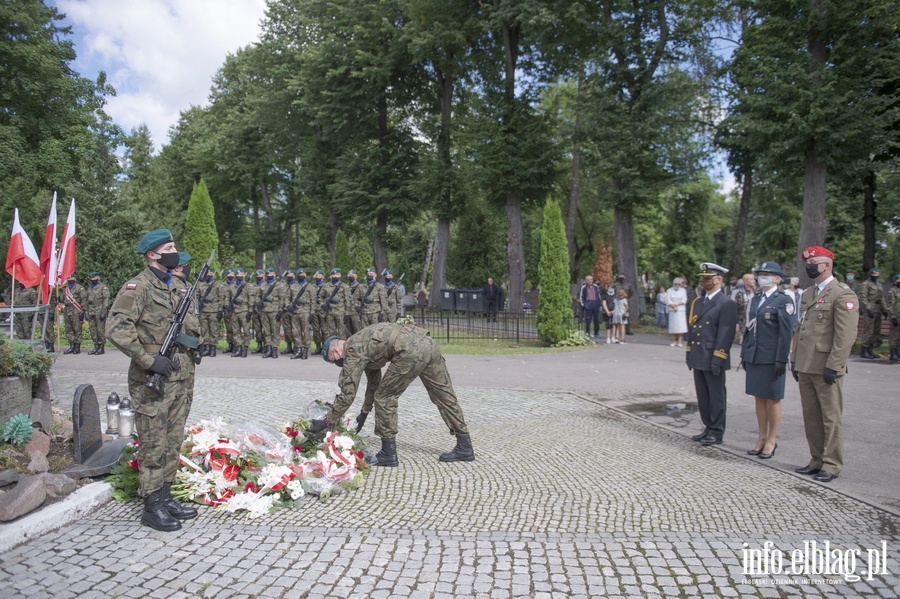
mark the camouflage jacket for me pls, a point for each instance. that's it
(213, 294)
(370, 350)
(373, 301)
(272, 296)
(78, 293)
(306, 301)
(25, 297)
(140, 318)
(392, 297)
(871, 297)
(97, 299)
(337, 297)
(892, 302)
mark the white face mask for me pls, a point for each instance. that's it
(766, 281)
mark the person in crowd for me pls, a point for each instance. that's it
(608, 306)
(892, 305)
(620, 316)
(589, 300)
(676, 304)
(742, 297)
(662, 312)
(491, 295)
(764, 354)
(871, 304)
(794, 292)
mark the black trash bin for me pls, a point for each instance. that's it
(448, 299)
(475, 301)
(461, 297)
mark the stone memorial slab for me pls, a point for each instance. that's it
(93, 457)
(15, 397)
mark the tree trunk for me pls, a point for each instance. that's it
(378, 244)
(429, 254)
(441, 250)
(515, 251)
(626, 257)
(333, 226)
(740, 232)
(813, 223)
(868, 222)
(441, 243)
(575, 188)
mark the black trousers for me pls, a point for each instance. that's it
(711, 400)
(592, 314)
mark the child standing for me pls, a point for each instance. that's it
(620, 316)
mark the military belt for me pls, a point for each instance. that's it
(152, 348)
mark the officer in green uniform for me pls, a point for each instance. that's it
(238, 311)
(411, 353)
(96, 313)
(24, 297)
(138, 322)
(75, 298)
(826, 330)
(317, 318)
(268, 305)
(227, 292)
(300, 311)
(210, 304)
(374, 300)
(391, 297)
(284, 317)
(353, 321)
(871, 304)
(892, 305)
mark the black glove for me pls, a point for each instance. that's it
(219, 315)
(105, 313)
(830, 376)
(794, 372)
(780, 369)
(870, 312)
(163, 365)
(249, 316)
(81, 317)
(317, 426)
(278, 315)
(311, 319)
(260, 305)
(716, 370)
(196, 357)
(292, 309)
(895, 322)
(361, 420)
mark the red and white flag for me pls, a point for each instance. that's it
(21, 259)
(48, 254)
(67, 250)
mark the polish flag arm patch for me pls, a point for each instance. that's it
(131, 286)
(850, 306)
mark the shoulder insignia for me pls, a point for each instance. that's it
(131, 286)
(789, 307)
(850, 306)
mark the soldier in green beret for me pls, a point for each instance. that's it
(871, 304)
(227, 292)
(300, 311)
(892, 305)
(335, 300)
(268, 305)
(96, 313)
(238, 311)
(209, 300)
(138, 322)
(75, 298)
(374, 299)
(24, 296)
(392, 297)
(317, 318)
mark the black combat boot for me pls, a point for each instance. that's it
(237, 352)
(298, 355)
(867, 352)
(273, 351)
(93, 351)
(71, 349)
(387, 456)
(462, 452)
(895, 354)
(174, 508)
(50, 348)
(318, 350)
(267, 351)
(305, 353)
(228, 349)
(100, 351)
(155, 514)
(212, 350)
(290, 348)
(77, 347)
(243, 352)
(258, 350)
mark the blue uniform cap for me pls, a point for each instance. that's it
(770, 267)
(153, 240)
(183, 258)
(94, 274)
(335, 271)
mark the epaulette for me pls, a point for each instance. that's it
(844, 286)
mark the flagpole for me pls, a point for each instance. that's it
(12, 302)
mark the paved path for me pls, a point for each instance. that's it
(571, 495)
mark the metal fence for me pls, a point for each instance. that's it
(448, 326)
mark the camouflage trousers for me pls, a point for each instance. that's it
(894, 337)
(872, 331)
(334, 324)
(258, 332)
(318, 327)
(98, 330)
(209, 327)
(300, 330)
(159, 422)
(287, 325)
(353, 322)
(271, 329)
(429, 365)
(240, 328)
(370, 318)
(23, 326)
(73, 326)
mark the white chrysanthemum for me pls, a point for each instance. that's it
(343, 442)
(295, 489)
(272, 474)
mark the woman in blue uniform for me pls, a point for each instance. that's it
(767, 342)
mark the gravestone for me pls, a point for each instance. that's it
(93, 457)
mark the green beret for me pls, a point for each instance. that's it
(352, 272)
(335, 271)
(229, 271)
(239, 271)
(319, 272)
(270, 269)
(301, 271)
(183, 258)
(326, 345)
(873, 270)
(895, 277)
(386, 272)
(371, 269)
(259, 271)
(94, 274)
(153, 240)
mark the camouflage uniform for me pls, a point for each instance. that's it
(334, 297)
(286, 322)
(300, 311)
(96, 311)
(412, 353)
(353, 319)
(892, 305)
(742, 298)
(871, 305)
(317, 317)
(137, 324)
(210, 301)
(74, 316)
(373, 299)
(239, 308)
(227, 290)
(256, 290)
(268, 304)
(391, 302)
(23, 321)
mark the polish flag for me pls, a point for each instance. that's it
(21, 259)
(67, 252)
(48, 254)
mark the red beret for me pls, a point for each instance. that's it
(816, 251)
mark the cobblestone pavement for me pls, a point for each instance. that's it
(568, 498)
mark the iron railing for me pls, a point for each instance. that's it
(473, 327)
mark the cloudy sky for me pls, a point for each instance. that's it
(159, 55)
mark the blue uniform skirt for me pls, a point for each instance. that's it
(760, 383)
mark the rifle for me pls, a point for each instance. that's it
(229, 309)
(174, 335)
(293, 307)
(326, 307)
(262, 302)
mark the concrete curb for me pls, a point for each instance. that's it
(54, 516)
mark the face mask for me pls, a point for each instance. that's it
(290, 280)
(765, 282)
(874, 278)
(812, 271)
(389, 281)
(302, 277)
(230, 279)
(240, 279)
(320, 281)
(850, 278)
(209, 279)
(352, 279)
(186, 273)
(339, 362)
(335, 280)
(621, 279)
(169, 260)
(370, 277)
(270, 278)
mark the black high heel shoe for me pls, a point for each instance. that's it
(755, 451)
(766, 456)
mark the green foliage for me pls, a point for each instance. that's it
(342, 258)
(364, 257)
(554, 309)
(123, 477)
(574, 339)
(19, 359)
(477, 248)
(17, 430)
(200, 235)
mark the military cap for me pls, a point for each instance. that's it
(153, 240)
(371, 269)
(229, 271)
(386, 272)
(94, 274)
(326, 345)
(319, 272)
(770, 267)
(239, 271)
(711, 269)
(895, 277)
(873, 270)
(335, 271)
(816, 251)
(183, 258)
(301, 271)
(352, 272)
(270, 269)
(259, 271)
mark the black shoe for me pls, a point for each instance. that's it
(228, 349)
(318, 350)
(100, 351)
(895, 354)
(462, 452)
(273, 351)
(305, 355)
(766, 456)
(387, 456)
(866, 353)
(807, 470)
(288, 350)
(824, 477)
(243, 352)
(77, 348)
(710, 439)
(266, 352)
(71, 349)
(50, 348)
(298, 355)
(753, 451)
(174, 508)
(155, 514)
(258, 350)
(237, 352)
(93, 351)
(701, 435)
(212, 351)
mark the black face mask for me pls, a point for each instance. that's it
(812, 271)
(269, 279)
(320, 281)
(230, 279)
(352, 279)
(335, 280)
(186, 273)
(240, 279)
(339, 362)
(209, 279)
(874, 278)
(370, 277)
(169, 260)
(290, 280)
(302, 277)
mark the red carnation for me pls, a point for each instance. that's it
(298, 448)
(133, 463)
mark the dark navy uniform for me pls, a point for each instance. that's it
(712, 325)
(767, 340)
